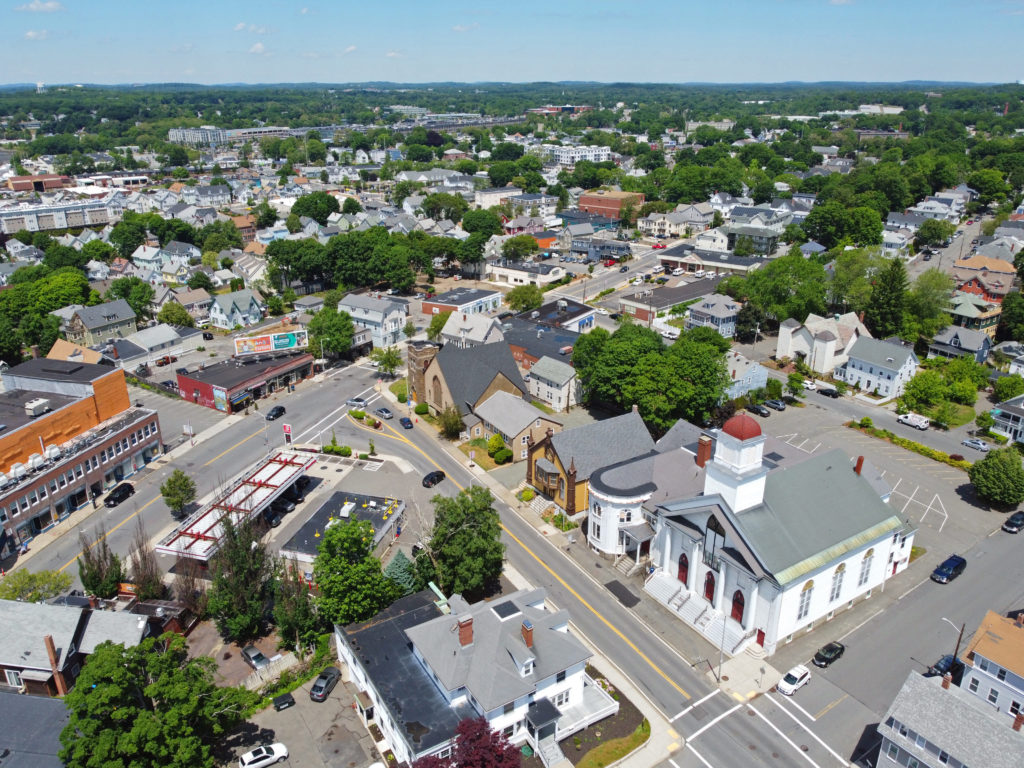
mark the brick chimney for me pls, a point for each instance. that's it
(527, 632)
(946, 680)
(1019, 621)
(860, 464)
(34, 349)
(466, 631)
(1018, 721)
(58, 676)
(704, 445)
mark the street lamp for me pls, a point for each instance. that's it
(960, 637)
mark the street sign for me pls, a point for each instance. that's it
(287, 433)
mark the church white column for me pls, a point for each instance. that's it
(695, 560)
(750, 609)
(720, 588)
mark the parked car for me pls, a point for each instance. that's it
(262, 756)
(207, 336)
(949, 569)
(661, 280)
(610, 262)
(275, 413)
(282, 506)
(947, 663)
(759, 409)
(406, 422)
(794, 680)
(433, 478)
(623, 268)
(828, 653)
(829, 391)
(182, 371)
(170, 385)
(659, 246)
(602, 311)
(284, 701)
(384, 413)
(976, 444)
(272, 517)
(915, 420)
(777, 405)
(810, 385)
(615, 316)
(356, 402)
(120, 493)
(324, 684)
(678, 271)
(166, 360)
(254, 657)
(1014, 523)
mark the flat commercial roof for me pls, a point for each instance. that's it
(199, 536)
(12, 407)
(232, 373)
(383, 514)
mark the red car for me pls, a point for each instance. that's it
(610, 262)
(659, 246)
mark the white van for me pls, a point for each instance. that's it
(699, 273)
(678, 271)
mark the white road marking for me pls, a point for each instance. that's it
(695, 704)
(708, 725)
(784, 737)
(903, 511)
(698, 754)
(790, 699)
(813, 734)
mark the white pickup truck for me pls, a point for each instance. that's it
(913, 420)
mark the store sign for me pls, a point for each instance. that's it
(271, 342)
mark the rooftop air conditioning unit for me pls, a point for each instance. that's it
(18, 471)
(52, 452)
(37, 407)
(36, 462)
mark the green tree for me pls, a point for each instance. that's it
(178, 491)
(486, 222)
(927, 301)
(518, 247)
(97, 250)
(744, 246)
(99, 569)
(442, 205)
(1006, 387)
(388, 359)
(295, 614)
(173, 313)
(241, 581)
(265, 215)
(464, 553)
(333, 328)
(292, 223)
(944, 414)
(352, 586)
(750, 321)
(351, 206)
(494, 444)
(984, 421)
(402, 573)
(795, 384)
(1011, 321)
(925, 390)
(789, 286)
(933, 232)
(773, 387)
(524, 298)
(136, 291)
(999, 478)
(989, 184)
(127, 235)
(884, 312)
(149, 704)
(437, 323)
(450, 421)
(200, 280)
(317, 206)
(29, 587)
(409, 329)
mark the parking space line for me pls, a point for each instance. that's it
(695, 704)
(812, 733)
(784, 736)
(695, 752)
(708, 725)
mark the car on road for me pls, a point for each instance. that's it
(976, 444)
(602, 311)
(610, 262)
(623, 268)
(970, 221)
(284, 701)
(828, 654)
(927, 255)
(829, 391)
(659, 246)
(759, 409)
(254, 657)
(118, 494)
(615, 316)
(207, 336)
(433, 478)
(356, 402)
(947, 663)
(384, 413)
(794, 680)
(949, 569)
(810, 385)
(406, 422)
(777, 405)
(265, 755)
(915, 420)
(170, 385)
(1014, 523)
(324, 684)
(166, 360)
(275, 413)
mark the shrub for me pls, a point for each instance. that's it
(526, 494)
(371, 422)
(495, 444)
(866, 423)
(502, 456)
(955, 457)
(421, 409)
(364, 456)
(357, 414)
(345, 451)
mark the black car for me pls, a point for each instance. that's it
(120, 493)
(282, 506)
(952, 567)
(829, 392)
(169, 385)
(284, 701)
(433, 478)
(777, 405)
(272, 517)
(827, 654)
(324, 684)
(623, 268)
(1014, 523)
(207, 336)
(759, 409)
(947, 663)
(275, 413)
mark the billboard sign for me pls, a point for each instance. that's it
(271, 342)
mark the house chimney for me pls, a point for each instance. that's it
(1019, 621)
(58, 676)
(1018, 721)
(466, 631)
(636, 408)
(704, 445)
(946, 680)
(527, 632)
(860, 464)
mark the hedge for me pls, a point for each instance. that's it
(421, 409)
(503, 456)
(357, 414)
(910, 445)
(338, 450)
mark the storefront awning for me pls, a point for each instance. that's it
(240, 397)
(257, 385)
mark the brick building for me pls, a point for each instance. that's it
(610, 202)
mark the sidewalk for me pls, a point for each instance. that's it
(77, 518)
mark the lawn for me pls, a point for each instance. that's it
(964, 414)
(485, 462)
(399, 389)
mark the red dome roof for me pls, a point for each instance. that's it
(742, 427)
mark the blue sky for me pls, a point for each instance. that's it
(267, 41)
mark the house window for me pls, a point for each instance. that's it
(804, 606)
(993, 695)
(943, 757)
(562, 699)
(1014, 708)
(912, 763)
(920, 741)
(42, 491)
(983, 665)
(560, 677)
(973, 685)
(523, 439)
(596, 530)
(892, 752)
(1001, 674)
(13, 678)
(508, 708)
(508, 731)
(837, 582)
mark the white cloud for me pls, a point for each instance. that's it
(258, 48)
(393, 55)
(240, 26)
(840, 2)
(465, 27)
(252, 28)
(350, 49)
(37, 34)
(304, 11)
(38, 6)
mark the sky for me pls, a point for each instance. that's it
(664, 41)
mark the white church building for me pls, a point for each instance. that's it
(746, 538)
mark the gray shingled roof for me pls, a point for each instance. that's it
(961, 724)
(968, 338)
(468, 372)
(552, 370)
(489, 667)
(881, 353)
(32, 726)
(509, 414)
(590, 447)
(102, 315)
(23, 626)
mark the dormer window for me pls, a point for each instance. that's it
(527, 668)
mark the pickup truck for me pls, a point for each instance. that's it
(913, 420)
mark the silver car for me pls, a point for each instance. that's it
(976, 444)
